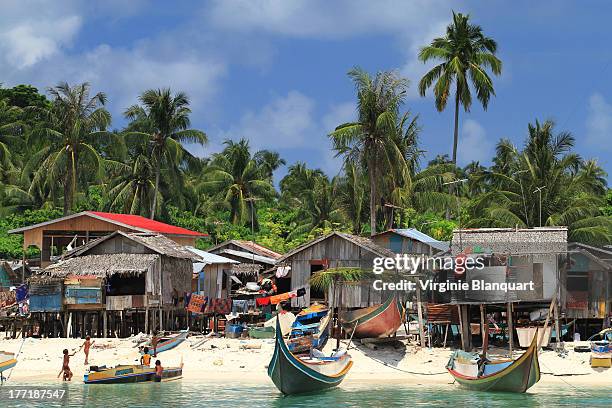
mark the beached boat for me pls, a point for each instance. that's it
(310, 329)
(7, 361)
(381, 320)
(129, 374)
(500, 375)
(166, 343)
(601, 354)
(294, 375)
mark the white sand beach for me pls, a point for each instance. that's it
(245, 361)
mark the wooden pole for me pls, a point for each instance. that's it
(461, 326)
(445, 335)
(541, 337)
(420, 315)
(105, 323)
(466, 330)
(510, 326)
(484, 330)
(147, 320)
(557, 326)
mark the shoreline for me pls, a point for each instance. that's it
(245, 362)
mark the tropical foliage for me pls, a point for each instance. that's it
(59, 154)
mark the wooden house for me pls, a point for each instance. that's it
(133, 278)
(52, 237)
(333, 250)
(586, 290)
(409, 241)
(533, 257)
(211, 274)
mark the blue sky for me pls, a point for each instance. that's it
(275, 71)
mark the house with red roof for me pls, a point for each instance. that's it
(78, 229)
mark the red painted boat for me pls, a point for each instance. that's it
(375, 321)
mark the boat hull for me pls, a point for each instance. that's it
(130, 374)
(517, 377)
(373, 322)
(292, 375)
(7, 361)
(168, 344)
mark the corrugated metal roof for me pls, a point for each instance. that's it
(135, 222)
(248, 246)
(414, 233)
(249, 256)
(208, 258)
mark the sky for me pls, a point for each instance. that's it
(275, 71)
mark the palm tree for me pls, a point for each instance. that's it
(466, 54)
(352, 196)
(235, 176)
(10, 128)
(163, 118)
(269, 161)
(298, 180)
(133, 183)
(370, 140)
(572, 190)
(68, 135)
(318, 208)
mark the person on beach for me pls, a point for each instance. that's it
(86, 346)
(159, 370)
(66, 366)
(154, 342)
(145, 359)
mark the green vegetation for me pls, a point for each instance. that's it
(58, 155)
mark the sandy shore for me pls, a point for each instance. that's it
(229, 359)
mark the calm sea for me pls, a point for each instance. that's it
(202, 394)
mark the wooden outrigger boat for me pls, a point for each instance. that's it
(168, 342)
(310, 329)
(294, 375)
(122, 374)
(375, 321)
(7, 361)
(501, 375)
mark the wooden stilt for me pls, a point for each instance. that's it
(558, 343)
(484, 330)
(146, 330)
(445, 335)
(105, 324)
(420, 315)
(510, 327)
(466, 332)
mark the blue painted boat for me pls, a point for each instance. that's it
(310, 329)
(7, 361)
(168, 342)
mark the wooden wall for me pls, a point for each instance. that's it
(596, 300)
(339, 253)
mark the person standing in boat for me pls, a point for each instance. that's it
(159, 370)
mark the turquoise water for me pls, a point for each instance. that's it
(202, 394)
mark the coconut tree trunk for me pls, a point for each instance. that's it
(156, 189)
(372, 176)
(456, 135)
(67, 185)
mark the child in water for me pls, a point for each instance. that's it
(159, 370)
(145, 359)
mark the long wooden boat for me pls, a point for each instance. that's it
(7, 361)
(167, 342)
(310, 329)
(501, 375)
(122, 374)
(294, 375)
(381, 320)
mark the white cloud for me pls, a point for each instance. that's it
(285, 122)
(33, 40)
(411, 24)
(473, 144)
(599, 122)
(338, 114)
